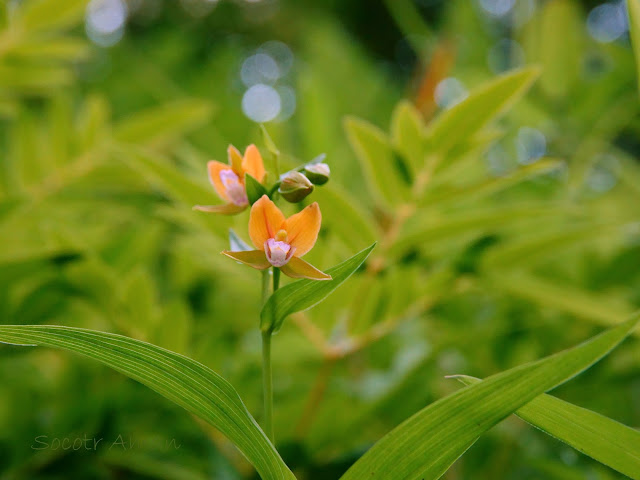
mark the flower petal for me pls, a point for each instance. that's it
(253, 258)
(235, 161)
(303, 228)
(298, 268)
(253, 164)
(264, 221)
(226, 209)
(214, 177)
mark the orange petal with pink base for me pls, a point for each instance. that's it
(264, 221)
(214, 169)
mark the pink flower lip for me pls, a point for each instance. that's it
(235, 190)
(278, 253)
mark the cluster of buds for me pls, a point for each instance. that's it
(298, 184)
(279, 242)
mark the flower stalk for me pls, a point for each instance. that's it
(267, 372)
(267, 384)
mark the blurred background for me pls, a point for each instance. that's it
(523, 237)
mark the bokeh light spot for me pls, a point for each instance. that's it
(531, 145)
(261, 103)
(259, 68)
(288, 102)
(497, 8)
(498, 160)
(105, 20)
(604, 173)
(281, 53)
(607, 22)
(449, 92)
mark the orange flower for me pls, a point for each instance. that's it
(281, 242)
(229, 182)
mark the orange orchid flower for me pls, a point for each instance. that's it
(281, 242)
(229, 179)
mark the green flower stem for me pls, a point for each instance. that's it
(276, 279)
(267, 385)
(275, 164)
(267, 375)
(265, 286)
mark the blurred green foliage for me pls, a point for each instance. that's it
(489, 256)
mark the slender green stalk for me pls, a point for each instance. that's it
(265, 286)
(267, 385)
(267, 375)
(276, 279)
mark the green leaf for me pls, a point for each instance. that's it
(378, 162)
(634, 29)
(164, 123)
(31, 78)
(182, 380)
(595, 435)
(598, 308)
(561, 23)
(268, 141)
(158, 169)
(425, 230)
(484, 104)
(547, 243)
(427, 444)
(51, 14)
(255, 190)
(92, 122)
(304, 294)
(65, 49)
(407, 134)
(490, 186)
(183, 189)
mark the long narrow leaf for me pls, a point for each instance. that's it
(378, 162)
(423, 232)
(483, 105)
(164, 123)
(634, 30)
(600, 308)
(485, 188)
(407, 133)
(186, 382)
(304, 294)
(603, 439)
(425, 445)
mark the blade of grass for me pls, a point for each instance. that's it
(595, 435)
(182, 380)
(427, 444)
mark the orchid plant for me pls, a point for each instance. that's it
(279, 242)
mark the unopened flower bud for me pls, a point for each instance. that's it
(318, 173)
(294, 187)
